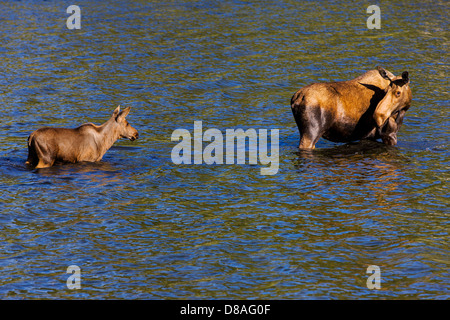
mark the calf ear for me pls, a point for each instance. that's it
(116, 112)
(383, 73)
(123, 113)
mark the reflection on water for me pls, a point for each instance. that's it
(356, 175)
(140, 226)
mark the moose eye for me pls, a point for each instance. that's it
(398, 93)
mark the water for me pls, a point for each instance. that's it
(141, 227)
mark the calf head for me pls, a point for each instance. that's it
(398, 97)
(125, 130)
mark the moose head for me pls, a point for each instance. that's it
(398, 97)
(124, 129)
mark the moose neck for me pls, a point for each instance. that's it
(109, 135)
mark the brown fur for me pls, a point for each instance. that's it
(370, 106)
(88, 142)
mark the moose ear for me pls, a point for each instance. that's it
(383, 73)
(123, 113)
(405, 76)
(116, 112)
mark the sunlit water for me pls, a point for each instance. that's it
(141, 227)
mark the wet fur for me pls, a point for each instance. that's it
(349, 110)
(88, 142)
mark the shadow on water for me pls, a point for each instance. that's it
(76, 168)
(15, 162)
(350, 168)
(14, 170)
(367, 148)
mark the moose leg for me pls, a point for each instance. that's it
(44, 157)
(389, 131)
(43, 164)
(399, 118)
(307, 142)
(32, 159)
(310, 129)
(308, 121)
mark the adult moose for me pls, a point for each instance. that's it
(371, 106)
(88, 142)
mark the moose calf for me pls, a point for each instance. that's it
(88, 142)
